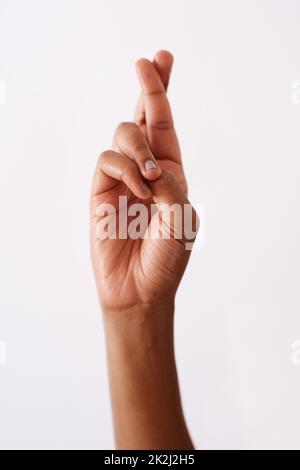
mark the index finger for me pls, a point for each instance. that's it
(160, 129)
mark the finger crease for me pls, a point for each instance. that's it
(162, 125)
(153, 93)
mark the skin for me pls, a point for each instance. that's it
(137, 280)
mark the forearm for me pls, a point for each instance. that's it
(143, 379)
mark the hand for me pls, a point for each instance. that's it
(137, 277)
(144, 165)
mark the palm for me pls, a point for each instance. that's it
(144, 268)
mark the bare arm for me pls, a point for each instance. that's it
(137, 278)
(144, 388)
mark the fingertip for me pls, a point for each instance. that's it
(152, 175)
(142, 70)
(151, 170)
(141, 63)
(163, 62)
(164, 57)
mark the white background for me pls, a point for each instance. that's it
(68, 68)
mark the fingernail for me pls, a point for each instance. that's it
(150, 165)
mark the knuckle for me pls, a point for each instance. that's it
(125, 125)
(162, 125)
(141, 147)
(155, 93)
(103, 156)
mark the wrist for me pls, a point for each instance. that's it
(141, 326)
(159, 314)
